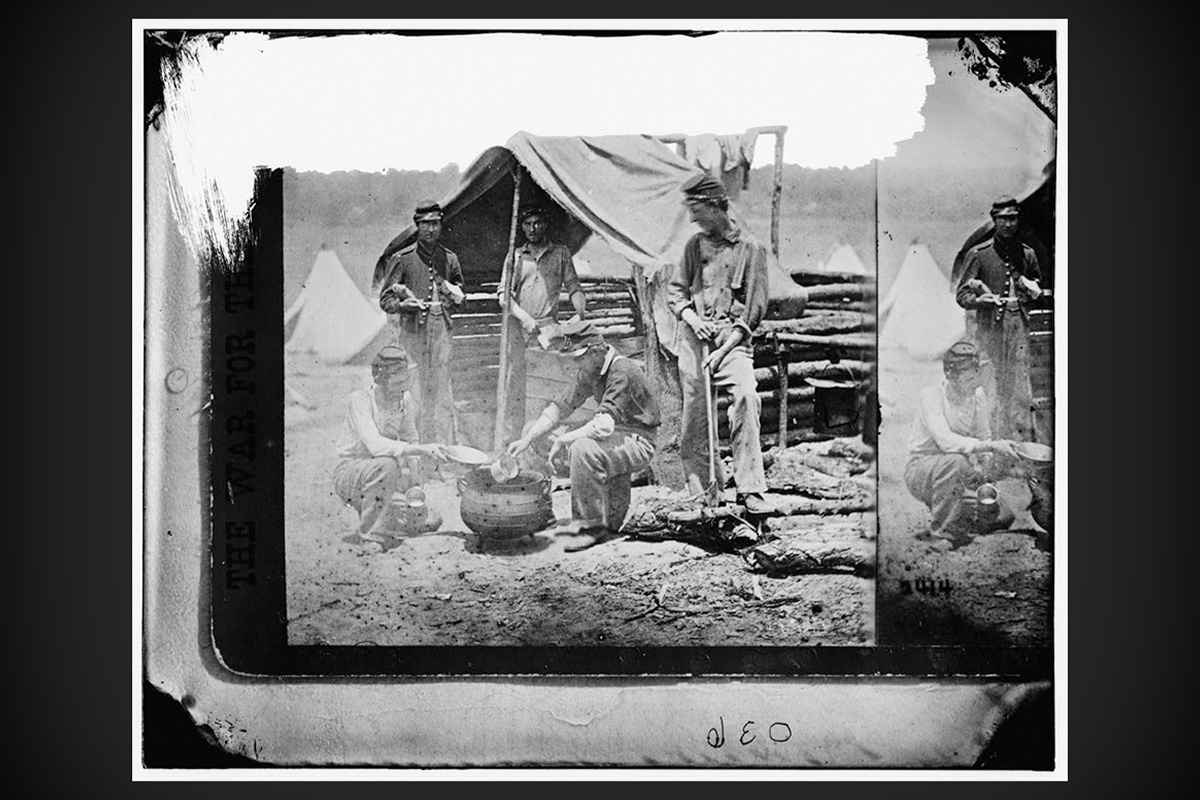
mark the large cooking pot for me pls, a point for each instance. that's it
(836, 401)
(1039, 469)
(509, 510)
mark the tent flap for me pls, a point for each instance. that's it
(625, 188)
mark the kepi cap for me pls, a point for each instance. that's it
(390, 357)
(1006, 207)
(529, 211)
(963, 354)
(576, 336)
(703, 188)
(427, 211)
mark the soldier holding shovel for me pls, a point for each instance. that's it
(720, 292)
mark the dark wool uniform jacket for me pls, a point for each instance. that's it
(407, 269)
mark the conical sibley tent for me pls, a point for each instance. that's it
(844, 259)
(919, 314)
(331, 317)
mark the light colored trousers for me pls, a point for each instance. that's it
(431, 351)
(1006, 378)
(600, 477)
(939, 481)
(736, 373)
(368, 486)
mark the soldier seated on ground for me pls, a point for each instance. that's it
(950, 434)
(380, 454)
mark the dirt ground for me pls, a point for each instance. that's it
(454, 587)
(996, 590)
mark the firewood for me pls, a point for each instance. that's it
(824, 322)
(849, 341)
(838, 291)
(813, 278)
(799, 370)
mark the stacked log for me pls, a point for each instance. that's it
(612, 306)
(839, 323)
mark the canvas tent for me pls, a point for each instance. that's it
(919, 313)
(1036, 228)
(624, 189)
(844, 259)
(330, 317)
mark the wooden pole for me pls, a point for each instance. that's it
(781, 359)
(777, 192)
(651, 357)
(506, 291)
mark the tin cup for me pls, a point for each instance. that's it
(415, 497)
(504, 469)
(986, 497)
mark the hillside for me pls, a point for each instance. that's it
(357, 213)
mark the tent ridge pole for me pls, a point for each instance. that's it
(506, 293)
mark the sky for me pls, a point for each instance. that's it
(380, 100)
(383, 100)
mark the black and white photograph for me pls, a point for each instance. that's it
(704, 369)
(966, 346)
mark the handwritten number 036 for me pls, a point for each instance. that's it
(778, 732)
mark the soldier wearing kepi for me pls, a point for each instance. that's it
(380, 452)
(720, 292)
(616, 443)
(421, 284)
(999, 280)
(951, 430)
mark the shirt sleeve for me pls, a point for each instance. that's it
(363, 423)
(570, 279)
(454, 271)
(410, 421)
(616, 387)
(934, 419)
(982, 424)
(965, 295)
(756, 291)
(679, 287)
(1033, 269)
(600, 426)
(572, 398)
(389, 298)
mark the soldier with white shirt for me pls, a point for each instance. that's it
(380, 452)
(951, 430)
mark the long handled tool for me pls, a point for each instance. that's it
(712, 495)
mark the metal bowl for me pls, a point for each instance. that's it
(1035, 453)
(468, 456)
